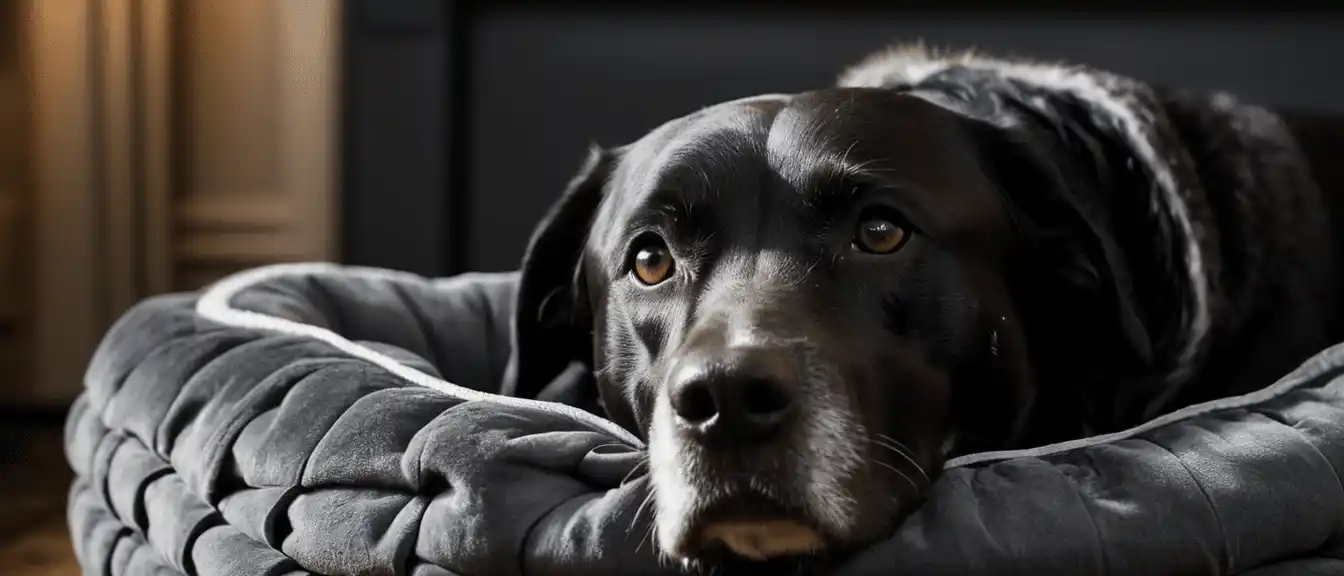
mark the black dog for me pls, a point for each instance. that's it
(807, 302)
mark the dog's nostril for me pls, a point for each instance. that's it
(764, 399)
(740, 395)
(695, 403)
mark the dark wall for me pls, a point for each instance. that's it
(533, 86)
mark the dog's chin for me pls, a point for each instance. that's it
(751, 526)
(708, 524)
(764, 539)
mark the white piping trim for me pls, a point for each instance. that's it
(1326, 360)
(914, 63)
(215, 304)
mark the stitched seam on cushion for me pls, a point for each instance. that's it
(327, 303)
(307, 462)
(189, 543)
(269, 528)
(1334, 535)
(140, 510)
(144, 536)
(119, 380)
(418, 317)
(134, 361)
(405, 553)
(206, 523)
(81, 416)
(1091, 519)
(141, 540)
(122, 533)
(993, 542)
(496, 363)
(229, 344)
(160, 431)
(105, 483)
(226, 435)
(526, 544)
(1208, 500)
(419, 480)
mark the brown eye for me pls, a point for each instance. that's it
(880, 236)
(653, 264)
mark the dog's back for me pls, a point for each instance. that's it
(1271, 181)
(1320, 136)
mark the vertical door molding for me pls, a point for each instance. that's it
(69, 308)
(257, 128)
(15, 187)
(172, 143)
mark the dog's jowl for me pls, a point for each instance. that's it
(807, 303)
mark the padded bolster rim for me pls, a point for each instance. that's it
(1323, 363)
(215, 304)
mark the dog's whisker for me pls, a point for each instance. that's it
(648, 498)
(895, 442)
(651, 537)
(844, 158)
(647, 537)
(913, 464)
(807, 272)
(898, 471)
(643, 463)
(905, 458)
(906, 453)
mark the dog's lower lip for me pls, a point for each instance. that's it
(734, 522)
(761, 540)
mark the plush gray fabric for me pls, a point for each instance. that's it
(202, 447)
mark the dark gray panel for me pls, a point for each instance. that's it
(543, 83)
(395, 136)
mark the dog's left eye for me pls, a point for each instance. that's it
(880, 235)
(652, 263)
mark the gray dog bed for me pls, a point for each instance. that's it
(320, 419)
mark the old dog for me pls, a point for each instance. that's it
(807, 302)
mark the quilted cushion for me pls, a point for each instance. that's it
(313, 418)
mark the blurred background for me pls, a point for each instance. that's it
(149, 146)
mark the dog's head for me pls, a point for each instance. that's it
(804, 302)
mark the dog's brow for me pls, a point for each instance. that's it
(664, 207)
(838, 178)
(684, 178)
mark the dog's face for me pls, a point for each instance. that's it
(803, 302)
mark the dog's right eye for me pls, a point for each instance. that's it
(652, 262)
(880, 232)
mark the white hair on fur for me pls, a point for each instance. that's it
(670, 470)
(828, 455)
(1122, 99)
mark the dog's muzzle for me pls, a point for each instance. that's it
(738, 397)
(737, 451)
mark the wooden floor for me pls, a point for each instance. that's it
(34, 480)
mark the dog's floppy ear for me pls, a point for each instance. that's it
(552, 324)
(1057, 178)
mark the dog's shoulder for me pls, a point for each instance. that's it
(1250, 239)
(1319, 137)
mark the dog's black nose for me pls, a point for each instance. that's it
(745, 394)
